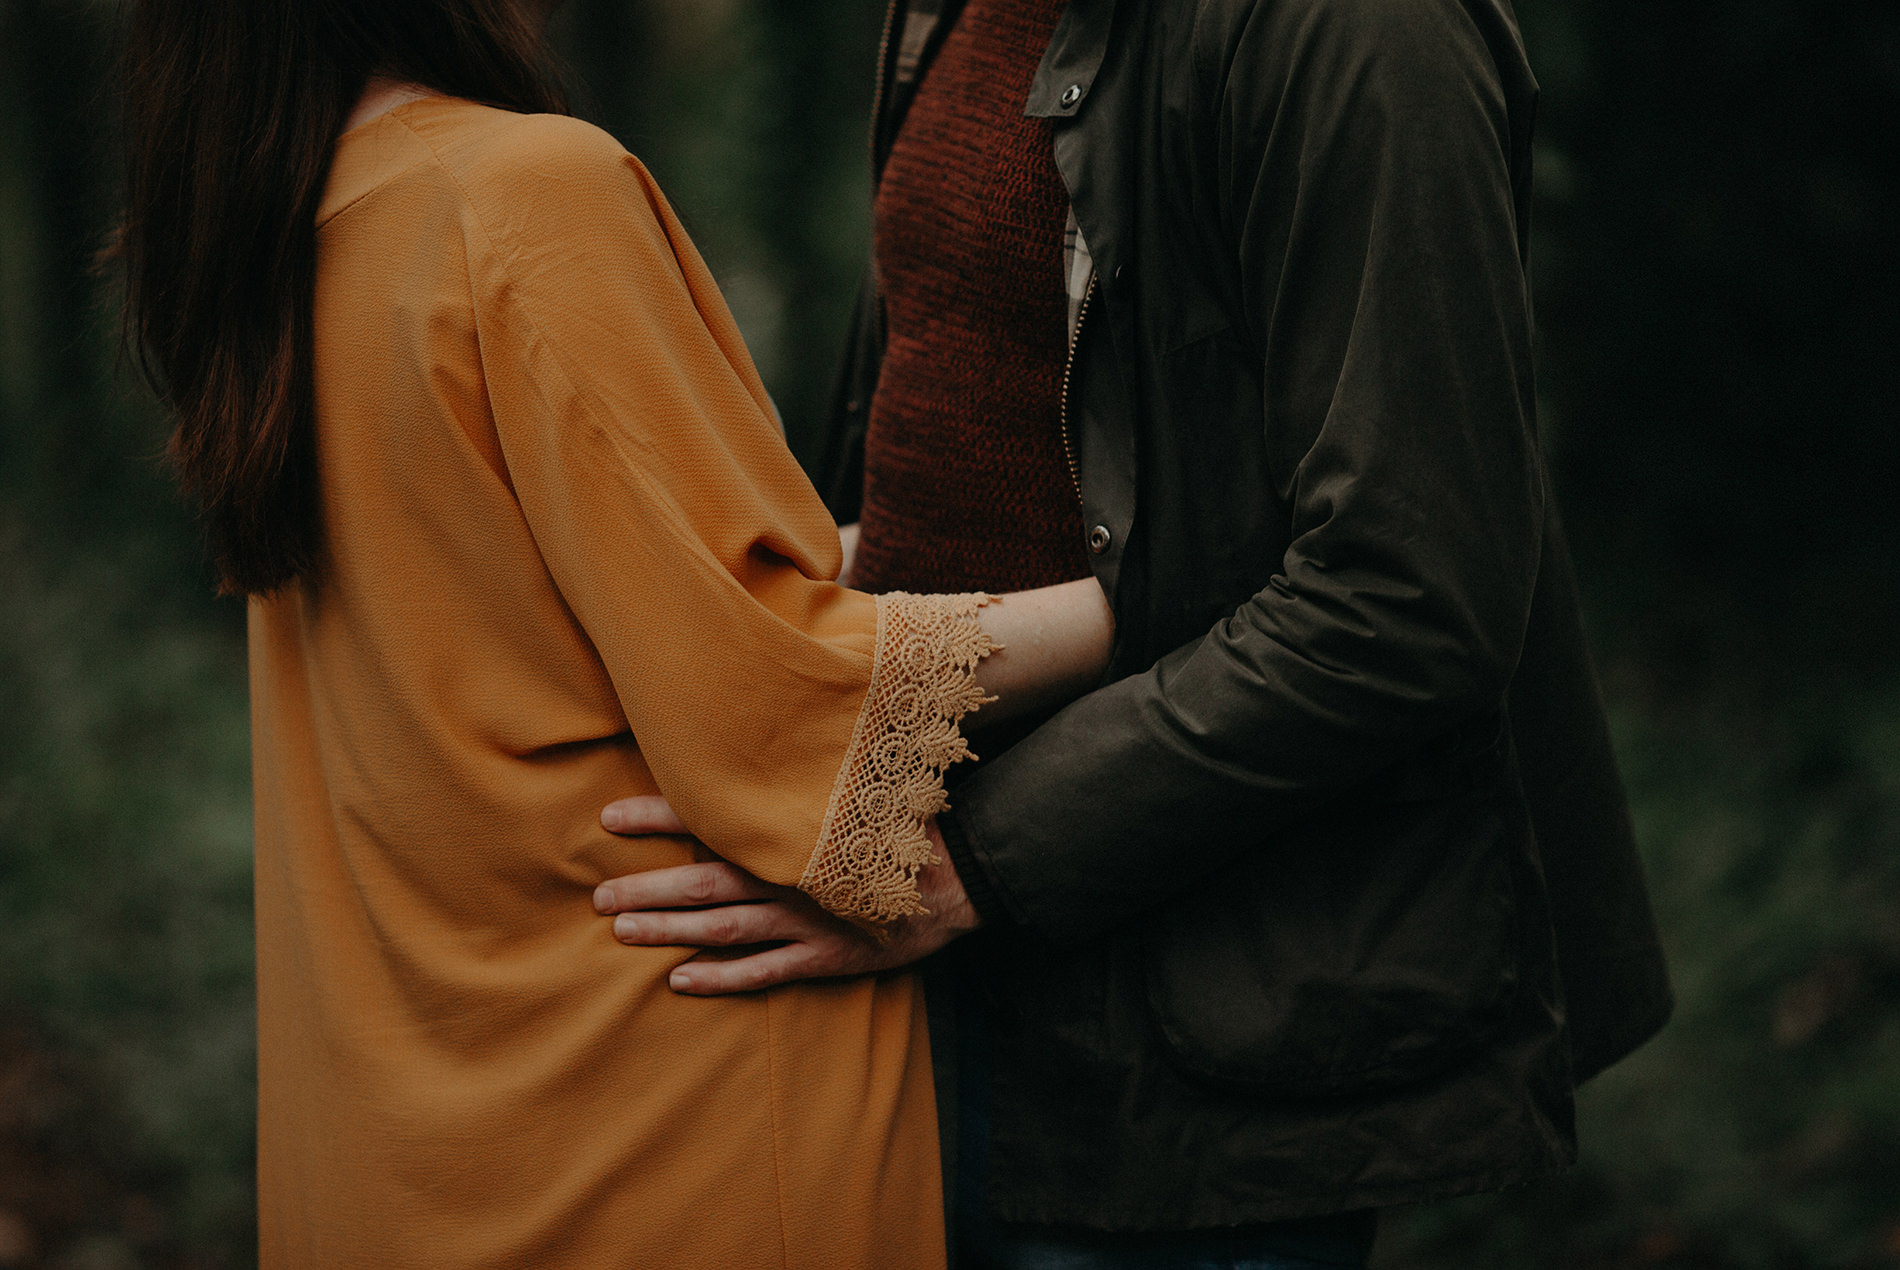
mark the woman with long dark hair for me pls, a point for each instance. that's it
(473, 431)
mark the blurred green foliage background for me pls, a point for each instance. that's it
(1718, 296)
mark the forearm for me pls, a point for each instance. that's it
(1055, 644)
(848, 541)
(1139, 790)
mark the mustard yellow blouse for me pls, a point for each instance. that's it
(569, 558)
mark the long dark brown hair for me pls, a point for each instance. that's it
(232, 111)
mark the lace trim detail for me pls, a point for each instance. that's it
(923, 681)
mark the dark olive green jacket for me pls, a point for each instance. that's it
(1329, 897)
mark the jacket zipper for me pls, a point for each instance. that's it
(877, 93)
(1068, 376)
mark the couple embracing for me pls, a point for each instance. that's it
(1186, 456)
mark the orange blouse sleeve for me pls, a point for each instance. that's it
(800, 729)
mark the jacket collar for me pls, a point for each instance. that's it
(915, 29)
(912, 31)
(1072, 60)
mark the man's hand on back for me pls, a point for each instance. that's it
(720, 906)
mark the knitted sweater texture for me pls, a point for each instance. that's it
(967, 482)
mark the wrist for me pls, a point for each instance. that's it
(972, 886)
(942, 891)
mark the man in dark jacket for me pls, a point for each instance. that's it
(1327, 899)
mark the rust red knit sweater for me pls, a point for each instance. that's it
(967, 485)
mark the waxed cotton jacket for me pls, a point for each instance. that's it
(1329, 896)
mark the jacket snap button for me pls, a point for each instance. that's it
(1071, 94)
(1099, 538)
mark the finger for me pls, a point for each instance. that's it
(789, 963)
(646, 814)
(713, 927)
(681, 886)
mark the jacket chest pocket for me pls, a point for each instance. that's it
(1373, 947)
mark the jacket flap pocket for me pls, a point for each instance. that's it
(1370, 950)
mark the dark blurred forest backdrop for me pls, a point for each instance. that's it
(1719, 306)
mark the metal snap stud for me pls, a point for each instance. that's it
(1099, 538)
(1071, 95)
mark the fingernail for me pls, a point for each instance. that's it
(612, 818)
(679, 981)
(624, 927)
(603, 900)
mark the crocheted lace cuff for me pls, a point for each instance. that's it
(923, 681)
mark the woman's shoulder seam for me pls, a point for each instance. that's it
(587, 149)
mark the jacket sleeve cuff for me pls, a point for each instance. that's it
(984, 897)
